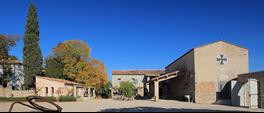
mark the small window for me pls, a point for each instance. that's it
(135, 81)
(119, 79)
(52, 91)
(47, 91)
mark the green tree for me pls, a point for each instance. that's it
(32, 56)
(105, 90)
(54, 67)
(127, 89)
(6, 42)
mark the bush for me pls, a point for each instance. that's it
(67, 98)
(105, 91)
(12, 99)
(127, 89)
(49, 99)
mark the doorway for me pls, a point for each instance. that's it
(253, 93)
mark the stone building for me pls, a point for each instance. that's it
(17, 77)
(204, 73)
(138, 77)
(54, 87)
(248, 90)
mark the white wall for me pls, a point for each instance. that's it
(17, 79)
(138, 78)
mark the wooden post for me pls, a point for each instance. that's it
(74, 91)
(156, 89)
(82, 92)
(112, 92)
(94, 95)
(89, 93)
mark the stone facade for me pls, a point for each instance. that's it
(205, 92)
(185, 84)
(138, 77)
(7, 92)
(240, 96)
(207, 71)
(205, 74)
(137, 80)
(46, 87)
(23, 93)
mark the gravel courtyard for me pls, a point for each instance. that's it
(101, 105)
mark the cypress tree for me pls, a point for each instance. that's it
(32, 56)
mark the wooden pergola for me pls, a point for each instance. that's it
(161, 78)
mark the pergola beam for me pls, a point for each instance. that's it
(159, 79)
(165, 76)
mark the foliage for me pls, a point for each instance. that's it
(127, 89)
(6, 42)
(71, 60)
(54, 68)
(32, 56)
(74, 55)
(105, 91)
(67, 98)
(23, 99)
(49, 99)
(94, 74)
(13, 99)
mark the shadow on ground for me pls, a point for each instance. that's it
(154, 109)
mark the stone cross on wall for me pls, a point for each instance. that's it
(221, 59)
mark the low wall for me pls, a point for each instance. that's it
(7, 92)
(23, 93)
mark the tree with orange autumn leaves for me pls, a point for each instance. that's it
(72, 61)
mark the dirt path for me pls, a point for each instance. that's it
(133, 106)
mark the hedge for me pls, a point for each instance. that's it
(7, 99)
(49, 99)
(67, 98)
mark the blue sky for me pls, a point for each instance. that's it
(141, 34)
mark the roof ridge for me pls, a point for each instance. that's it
(204, 46)
(57, 79)
(138, 72)
(220, 41)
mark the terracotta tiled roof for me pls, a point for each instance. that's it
(60, 80)
(138, 72)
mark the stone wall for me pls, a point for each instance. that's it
(183, 84)
(137, 80)
(23, 93)
(205, 92)
(43, 85)
(7, 92)
(211, 73)
(259, 76)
